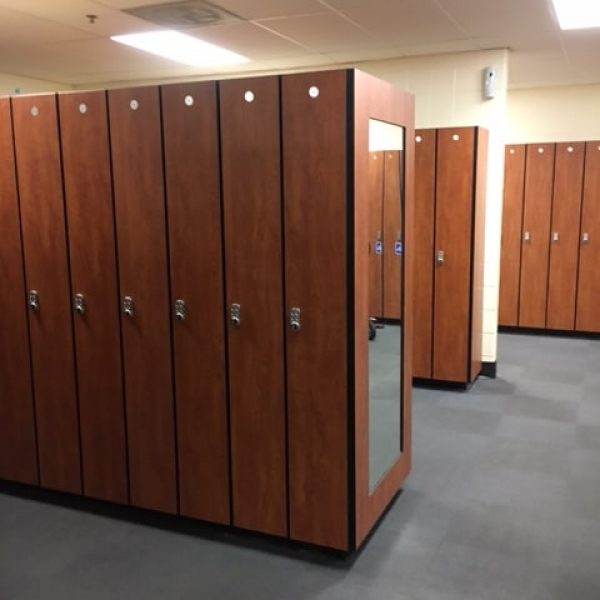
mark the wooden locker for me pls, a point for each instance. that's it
(537, 208)
(453, 241)
(190, 127)
(564, 232)
(90, 219)
(392, 235)
(135, 131)
(316, 230)
(376, 248)
(512, 222)
(425, 157)
(18, 456)
(47, 275)
(588, 290)
(250, 147)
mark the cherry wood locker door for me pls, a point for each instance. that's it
(316, 225)
(425, 157)
(564, 235)
(512, 220)
(47, 275)
(90, 219)
(535, 239)
(588, 290)
(453, 235)
(250, 147)
(190, 127)
(18, 455)
(144, 283)
(392, 236)
(376, 248)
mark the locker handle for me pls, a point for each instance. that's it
(128, 307)
(295, 319)
(235, 316)
(79, 304)
(555, 237)
(585, 238)
(33, 300)
(440, 258)
(527, 237)
(180, 311)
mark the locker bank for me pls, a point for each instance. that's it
(299, 299)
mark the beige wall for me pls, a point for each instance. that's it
(9, 84)
(448, 93)
(558, 114)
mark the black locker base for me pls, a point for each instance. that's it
(489, 369)
(192, 527)
(582, 335)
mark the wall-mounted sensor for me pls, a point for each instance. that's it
(489, 83)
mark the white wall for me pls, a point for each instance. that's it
(9, 84)
(448, 93)
(557, 114)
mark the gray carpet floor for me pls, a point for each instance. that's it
(503, 502)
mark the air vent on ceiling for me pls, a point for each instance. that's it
(177, 15)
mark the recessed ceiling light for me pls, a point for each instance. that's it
(577, 14)
(181, 48)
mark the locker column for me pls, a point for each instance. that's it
(393, 242)
(425, 159)
(250, 157)
(18, 455)
(537, 208)
(453, 226)
(317, 230)
(137, 161)
(588, 290)
(376, 248)
(512, 216)
(90, 218)
(191, 143)
(49, 297)
(564, 246)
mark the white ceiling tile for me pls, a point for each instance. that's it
(125, 4)
(266, 9)
(19, 27)
(249, 40)
(410, 22)
(324, 33)
(504, 18)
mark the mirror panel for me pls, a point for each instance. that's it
(386, 250)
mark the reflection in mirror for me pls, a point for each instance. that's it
(386, 250)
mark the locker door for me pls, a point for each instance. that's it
(194, 209)
(564, 232)
(588, 290)
(18, 458)
(425, 155)
(537, 208)
(145, 316)
(376, 247)
(90, 218)
(512, 217)
(392, 237)
(47, 276)
(250, 138)
(316, 225)
(453, 226)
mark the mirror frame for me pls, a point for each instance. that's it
(376, 99)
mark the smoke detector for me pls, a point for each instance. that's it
(179, 15)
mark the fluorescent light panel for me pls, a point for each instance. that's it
(181, 48)
(577, 14)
